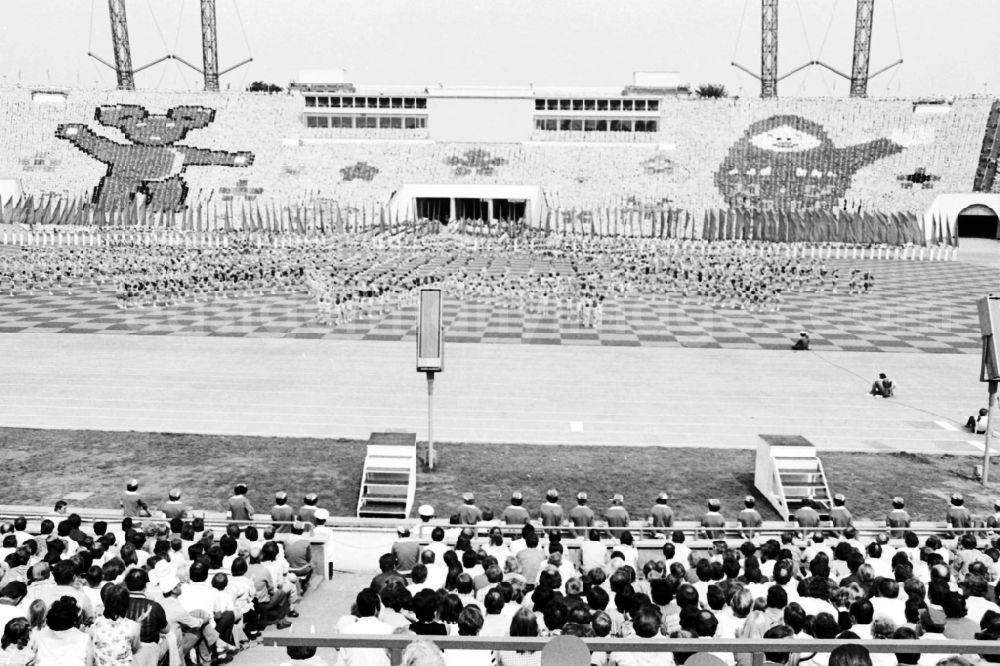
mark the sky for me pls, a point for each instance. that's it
(949, 47)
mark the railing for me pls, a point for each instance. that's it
(395, 644)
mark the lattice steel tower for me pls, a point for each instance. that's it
(123, 53)
(862, 48)
(209, 46)
(769, 48)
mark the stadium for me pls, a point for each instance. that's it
(644, 371)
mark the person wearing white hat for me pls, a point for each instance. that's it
(840, 515)
(322, 533)
(712, 520)
(581, 515)
(898, 519)
(550, 511)
(133, 506)
(616, 515)
(802, 344)
(282, 514)
(424, 527)
(515, 513)
(661, 515)
(308, 508)
(749, 517)
(469, 513)
(188, 629)
(958, 515)
(173, 507)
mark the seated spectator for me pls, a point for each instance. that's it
(523, 625)
(367, 607)
(883, 387)
(424, 606)
(977, 424)
(61, 642)
(470, 623)
(802, 344)
(15, 648)
(646, 623)
(850, 655)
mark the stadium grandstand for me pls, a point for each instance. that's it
(790, 466)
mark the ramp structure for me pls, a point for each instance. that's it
(389, 478)
(790, 475)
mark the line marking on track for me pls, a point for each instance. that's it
(946, 426)
(576, 426)
(980, 446)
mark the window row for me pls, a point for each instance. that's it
(367, 122)
(595, 125)
(597, 105)
(343, 102)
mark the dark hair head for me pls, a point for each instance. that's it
(851, 654)
(470, 621)
(523, 624)
(424, 605)
(779, 631)
(136, 580)
(115, 598)
(862, 612)
(367, 603)
(16, 632)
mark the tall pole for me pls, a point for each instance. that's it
(989, 431)
(119, 39)
(769, 48)
(430, 420)
(862, 48)
(209, 46)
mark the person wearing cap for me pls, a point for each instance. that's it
(406, 550)
(469, 513)
(550, 511)
(424, 527)
(616, 515)
(749, 517)
(712, 521)
(802, 344)
(581, 515)
(173, 508)
(133, 506)
(322, 533)
(515, 513)
(840, 515)
(661, 515)
(308, 508)
(240, 509)
(282, 514)
(898, 520)
(958, 516)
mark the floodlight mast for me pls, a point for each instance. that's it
(769, 48)
(209, 46)
(862, 47)
(119, 38)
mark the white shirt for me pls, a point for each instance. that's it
(593, 554)
(364, 656)
(204, 597)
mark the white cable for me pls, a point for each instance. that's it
(805, 33)
(239, 19)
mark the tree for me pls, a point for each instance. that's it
(260, 86)
(712, 90)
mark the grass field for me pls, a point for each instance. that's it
(44, 465)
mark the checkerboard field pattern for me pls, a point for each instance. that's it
(915, 306)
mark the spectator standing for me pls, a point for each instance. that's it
(840, 515)
(469, 513)
(898, 519)
(581, 515)
(713, 521)
(661, 515)
(308, 509)
(173, 508)
(550, 511)
(749, 516)
(133, 506)
(240, 509)
(616, 515)
(515, 513)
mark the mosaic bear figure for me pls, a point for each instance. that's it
(153, 163)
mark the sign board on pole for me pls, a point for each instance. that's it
(989, 320)
(430, 333)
